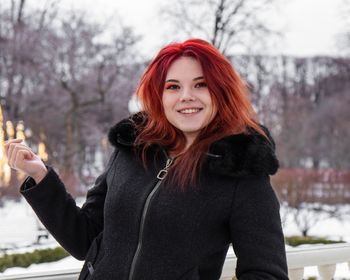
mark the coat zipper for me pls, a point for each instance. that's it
(160, 176)
(90, 268)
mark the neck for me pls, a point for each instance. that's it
(189, 141)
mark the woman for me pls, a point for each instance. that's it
(188, 176)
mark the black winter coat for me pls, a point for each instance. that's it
(132, 227)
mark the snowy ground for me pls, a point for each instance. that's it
(18, 233)
(331, 228)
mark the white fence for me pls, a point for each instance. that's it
(325, 257)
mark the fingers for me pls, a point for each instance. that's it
(9, 150)
(24, 151)
(11, 142)
(13, 147)
(20, 156)
(17, 140)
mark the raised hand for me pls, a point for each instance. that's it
(22, 158)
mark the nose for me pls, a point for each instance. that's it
(187, 95)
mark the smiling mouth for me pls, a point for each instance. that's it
(190, 110)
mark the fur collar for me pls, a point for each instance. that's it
(235, 155)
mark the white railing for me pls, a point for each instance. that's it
(325, 257)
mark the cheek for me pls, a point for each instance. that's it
(211, 106)
(167, 104)
(214, 110)
(211, 115)
(170, 99)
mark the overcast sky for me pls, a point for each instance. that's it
(310, 26)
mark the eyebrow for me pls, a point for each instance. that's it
(176, 81)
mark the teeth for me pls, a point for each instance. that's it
(189, 111)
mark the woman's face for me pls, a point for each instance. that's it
(186, 99)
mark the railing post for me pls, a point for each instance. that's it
(296, 273)
(326, 271)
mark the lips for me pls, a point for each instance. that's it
(189, 110)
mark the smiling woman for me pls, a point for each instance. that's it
(188, 177)
(192, 75)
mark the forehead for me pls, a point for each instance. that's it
(185, 67)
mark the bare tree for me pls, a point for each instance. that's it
(312, 195)
(81, 73)
(225, 23)
(20, 35)
(65, 80)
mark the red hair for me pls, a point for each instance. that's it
(229, 94)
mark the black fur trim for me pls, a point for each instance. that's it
(244, 154)
(124, 132)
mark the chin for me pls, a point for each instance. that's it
(190, 130)
(189, 127)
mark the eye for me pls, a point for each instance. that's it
(172, 87)
(201, 84)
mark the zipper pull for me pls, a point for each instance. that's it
(90, 267)
(163, 172)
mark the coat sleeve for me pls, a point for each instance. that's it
(73, 227)
(256, 231)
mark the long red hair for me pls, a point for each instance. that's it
(229, 94)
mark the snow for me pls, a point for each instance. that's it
(66, 263)
(14, 215)
(331, 228)
(18, 233)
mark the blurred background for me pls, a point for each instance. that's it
(68, 70)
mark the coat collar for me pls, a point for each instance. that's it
(236, 155)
